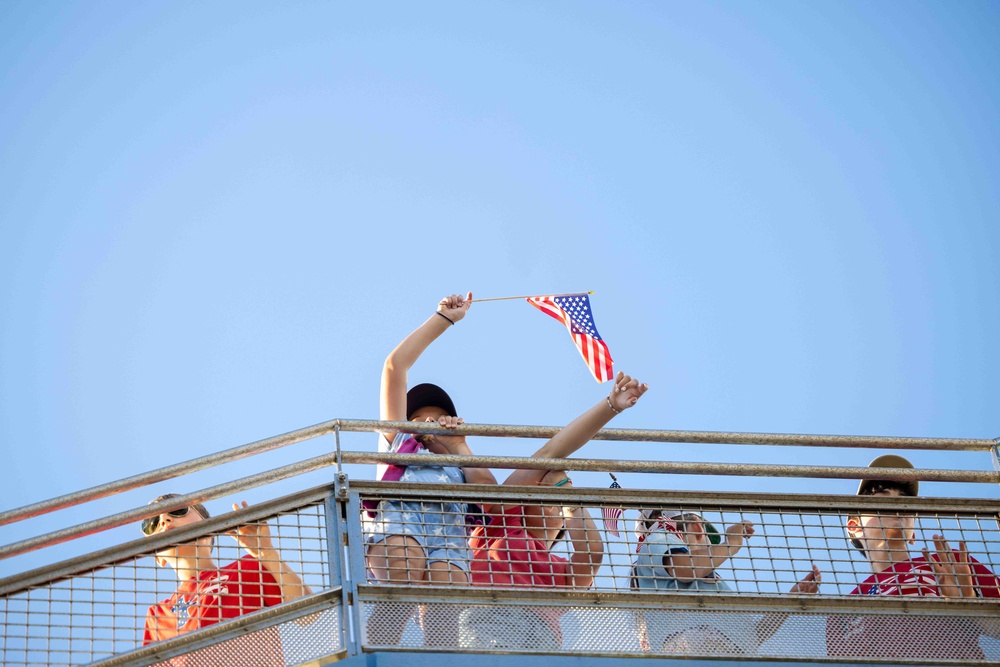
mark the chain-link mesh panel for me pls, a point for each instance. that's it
(312, 637)
(96, 614)
(609, 629)
(526, 543)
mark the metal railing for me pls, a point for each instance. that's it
(93, 609)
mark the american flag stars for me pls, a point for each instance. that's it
(578, 308)
(574, 311)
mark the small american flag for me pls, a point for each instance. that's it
(574, 311)
(612, 514)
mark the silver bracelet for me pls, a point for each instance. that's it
(617, 412)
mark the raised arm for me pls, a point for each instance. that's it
(256, 539)
(956, 578)
(703, 559)
(392, 403)
(588, 546)
(625, 393)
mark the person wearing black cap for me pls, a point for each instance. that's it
(883, 538)
(413, 542)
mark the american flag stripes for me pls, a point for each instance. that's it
(612, 514)
(574, 311)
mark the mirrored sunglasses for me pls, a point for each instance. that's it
(152, 524)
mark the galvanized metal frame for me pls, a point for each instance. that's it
(862, 605)
(674, 468)
(341, 504)
(232, 629)
(112, 555)
(356, 570)
(335, 531)
(655, 497)
(497, 430)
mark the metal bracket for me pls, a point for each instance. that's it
(336, 437)
(995, 454)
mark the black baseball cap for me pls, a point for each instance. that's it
(428, 394)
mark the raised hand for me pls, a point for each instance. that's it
(809, 583)
(737, 533)
(455, 307)
(451, 444)
(254, 537)
(952, 569)
(626, 392)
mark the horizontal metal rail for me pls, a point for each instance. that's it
(779, 555)
(170, 648)
(790, 502)
(675, 468)
(689, 437)
(163, 474)
(140, 513)
(497, 430)
(503, 462)
(123, 552)
(861, 604)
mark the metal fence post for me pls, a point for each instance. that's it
(356, 570)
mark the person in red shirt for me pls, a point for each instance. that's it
(884, 539)
(514, 547)
(208, 593)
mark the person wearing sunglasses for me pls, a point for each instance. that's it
(679, 550)
(514, 547)
(208, 593)
(883, 539)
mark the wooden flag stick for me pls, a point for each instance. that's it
(508, 298)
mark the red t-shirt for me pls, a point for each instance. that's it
(239, 588)
(504, 553)
(926, 637)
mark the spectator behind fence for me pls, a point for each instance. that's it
(208, 593)
(414, 542)
(883, 538)
(514, 547)
(680, 551)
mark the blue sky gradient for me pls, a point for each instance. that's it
(218, 218)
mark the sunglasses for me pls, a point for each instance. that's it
(152, 524)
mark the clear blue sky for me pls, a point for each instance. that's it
(216, 219)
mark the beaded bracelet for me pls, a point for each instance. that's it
(617, 412)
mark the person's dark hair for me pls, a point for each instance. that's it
(653, 517)
(197, 507)
(878, 486)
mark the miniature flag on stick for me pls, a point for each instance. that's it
(573, 310)
(612, 514)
